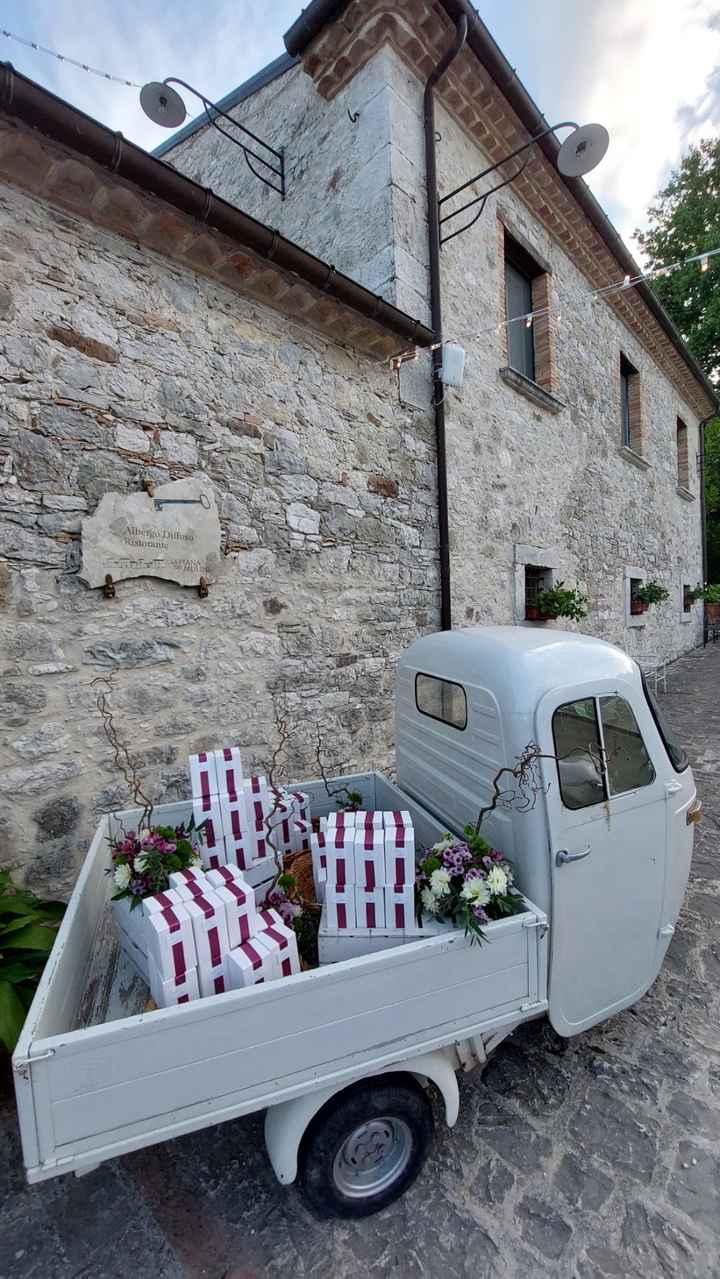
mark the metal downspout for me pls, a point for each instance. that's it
(703, 516)
(461, 27)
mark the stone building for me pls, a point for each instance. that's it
(152, 330)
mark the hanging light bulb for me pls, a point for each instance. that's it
(704, 264)
(528, 321)
(626, 282)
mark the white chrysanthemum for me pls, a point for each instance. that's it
(141, 863)
(440, 883)
(429, 900)
(196, 859)
(476, 891)
(446, 842)
(497, 881)
(122, 876)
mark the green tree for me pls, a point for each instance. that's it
(684, 220)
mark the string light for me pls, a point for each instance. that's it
(62, 57)
(607, 290)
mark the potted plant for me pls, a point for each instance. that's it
(711, 596)
(649, 593)
(557, 601)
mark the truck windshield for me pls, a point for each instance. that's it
(678, 758)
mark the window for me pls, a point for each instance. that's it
(520, 337)
(676, 754)
(683, 467)
(536, 579)
(630, 405)
(628, 763)
(637, 607)
(687, 597)
(600, 750)
(579, 751)
(441, 699)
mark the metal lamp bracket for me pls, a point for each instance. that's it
(272, 161)
(484, 197)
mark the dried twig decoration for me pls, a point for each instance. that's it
(353, 798)
(126, 764)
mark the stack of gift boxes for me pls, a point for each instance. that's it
(238, 814)
(205, 935)
(364, 869)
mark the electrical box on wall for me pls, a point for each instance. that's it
(453, 364)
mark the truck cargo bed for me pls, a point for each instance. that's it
(97, 1076)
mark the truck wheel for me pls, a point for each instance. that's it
(365, 1147)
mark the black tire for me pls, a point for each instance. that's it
(376, 1132)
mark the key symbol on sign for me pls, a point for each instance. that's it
(203, 501)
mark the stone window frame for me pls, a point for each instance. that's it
(632, 439)
(633, 573)
(524, 556)
(543, 387)
(689, 615)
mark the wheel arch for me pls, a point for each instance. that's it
(286, 1123)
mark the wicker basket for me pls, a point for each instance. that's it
(300, 865)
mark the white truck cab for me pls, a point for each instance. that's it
(603, 846)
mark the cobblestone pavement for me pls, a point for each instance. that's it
(588, 1158)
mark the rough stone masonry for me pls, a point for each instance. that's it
(118, 367)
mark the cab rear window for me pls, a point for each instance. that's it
(441, 699)
(677, 756)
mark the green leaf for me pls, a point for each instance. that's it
(15, 925)
(19, 971)
(31, 937)
(12, 1015)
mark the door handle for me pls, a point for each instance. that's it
(564, 856)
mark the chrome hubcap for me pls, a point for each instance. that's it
(372, 1157)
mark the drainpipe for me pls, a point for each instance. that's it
(703, 525)
(461, 27)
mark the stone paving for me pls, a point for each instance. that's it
(586, 1158)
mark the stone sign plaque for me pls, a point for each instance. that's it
(175, 534)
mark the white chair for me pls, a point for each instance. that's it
(654, 668)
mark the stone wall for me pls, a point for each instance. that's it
(527, 483)
(116, 365)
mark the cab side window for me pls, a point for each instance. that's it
(628, 764)
(441, 699)
(579, 754)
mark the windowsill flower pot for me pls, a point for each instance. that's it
(637, 607)
(711, 597)
(713, 612)
(559, 601)
(650, 593)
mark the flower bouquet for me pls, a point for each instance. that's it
(142, 861)
(468, 882)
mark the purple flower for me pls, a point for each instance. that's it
(480, 915)
(474, 873)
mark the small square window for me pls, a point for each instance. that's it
(687, 597)
(636, 605)
(537, 579)
(683, 461)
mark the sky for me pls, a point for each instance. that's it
(649, 70)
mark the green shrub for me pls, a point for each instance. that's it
(560, 601)
(27, 932)
(652, 593)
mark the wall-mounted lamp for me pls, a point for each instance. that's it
(163, 105)
(579, 153)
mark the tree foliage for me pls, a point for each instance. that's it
(683, 221)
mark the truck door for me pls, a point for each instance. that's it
(607, 830)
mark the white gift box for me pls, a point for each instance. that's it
(340, 906)
(274, 928)
(212, 849)
(168, 991)
(203, 781)
(258, 829)
(319, 864)
(373, 817)
(369, 907)
(280, 824)
(369, 855)
(239, 843)
(130, 921)
(340, 818)
(300, 805)
(399, 850)
(228, 767)
(191, 889)
(225, 875)
(400, 906)
(179, 877)
(340, 856)
(240, 911)
(170, 941)
(162, 901)
(256, 960)
(209, 923)
(301, 833)
(256, 787)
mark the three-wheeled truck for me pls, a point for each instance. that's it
(342, 1057)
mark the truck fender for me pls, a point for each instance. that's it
(285, 1123)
